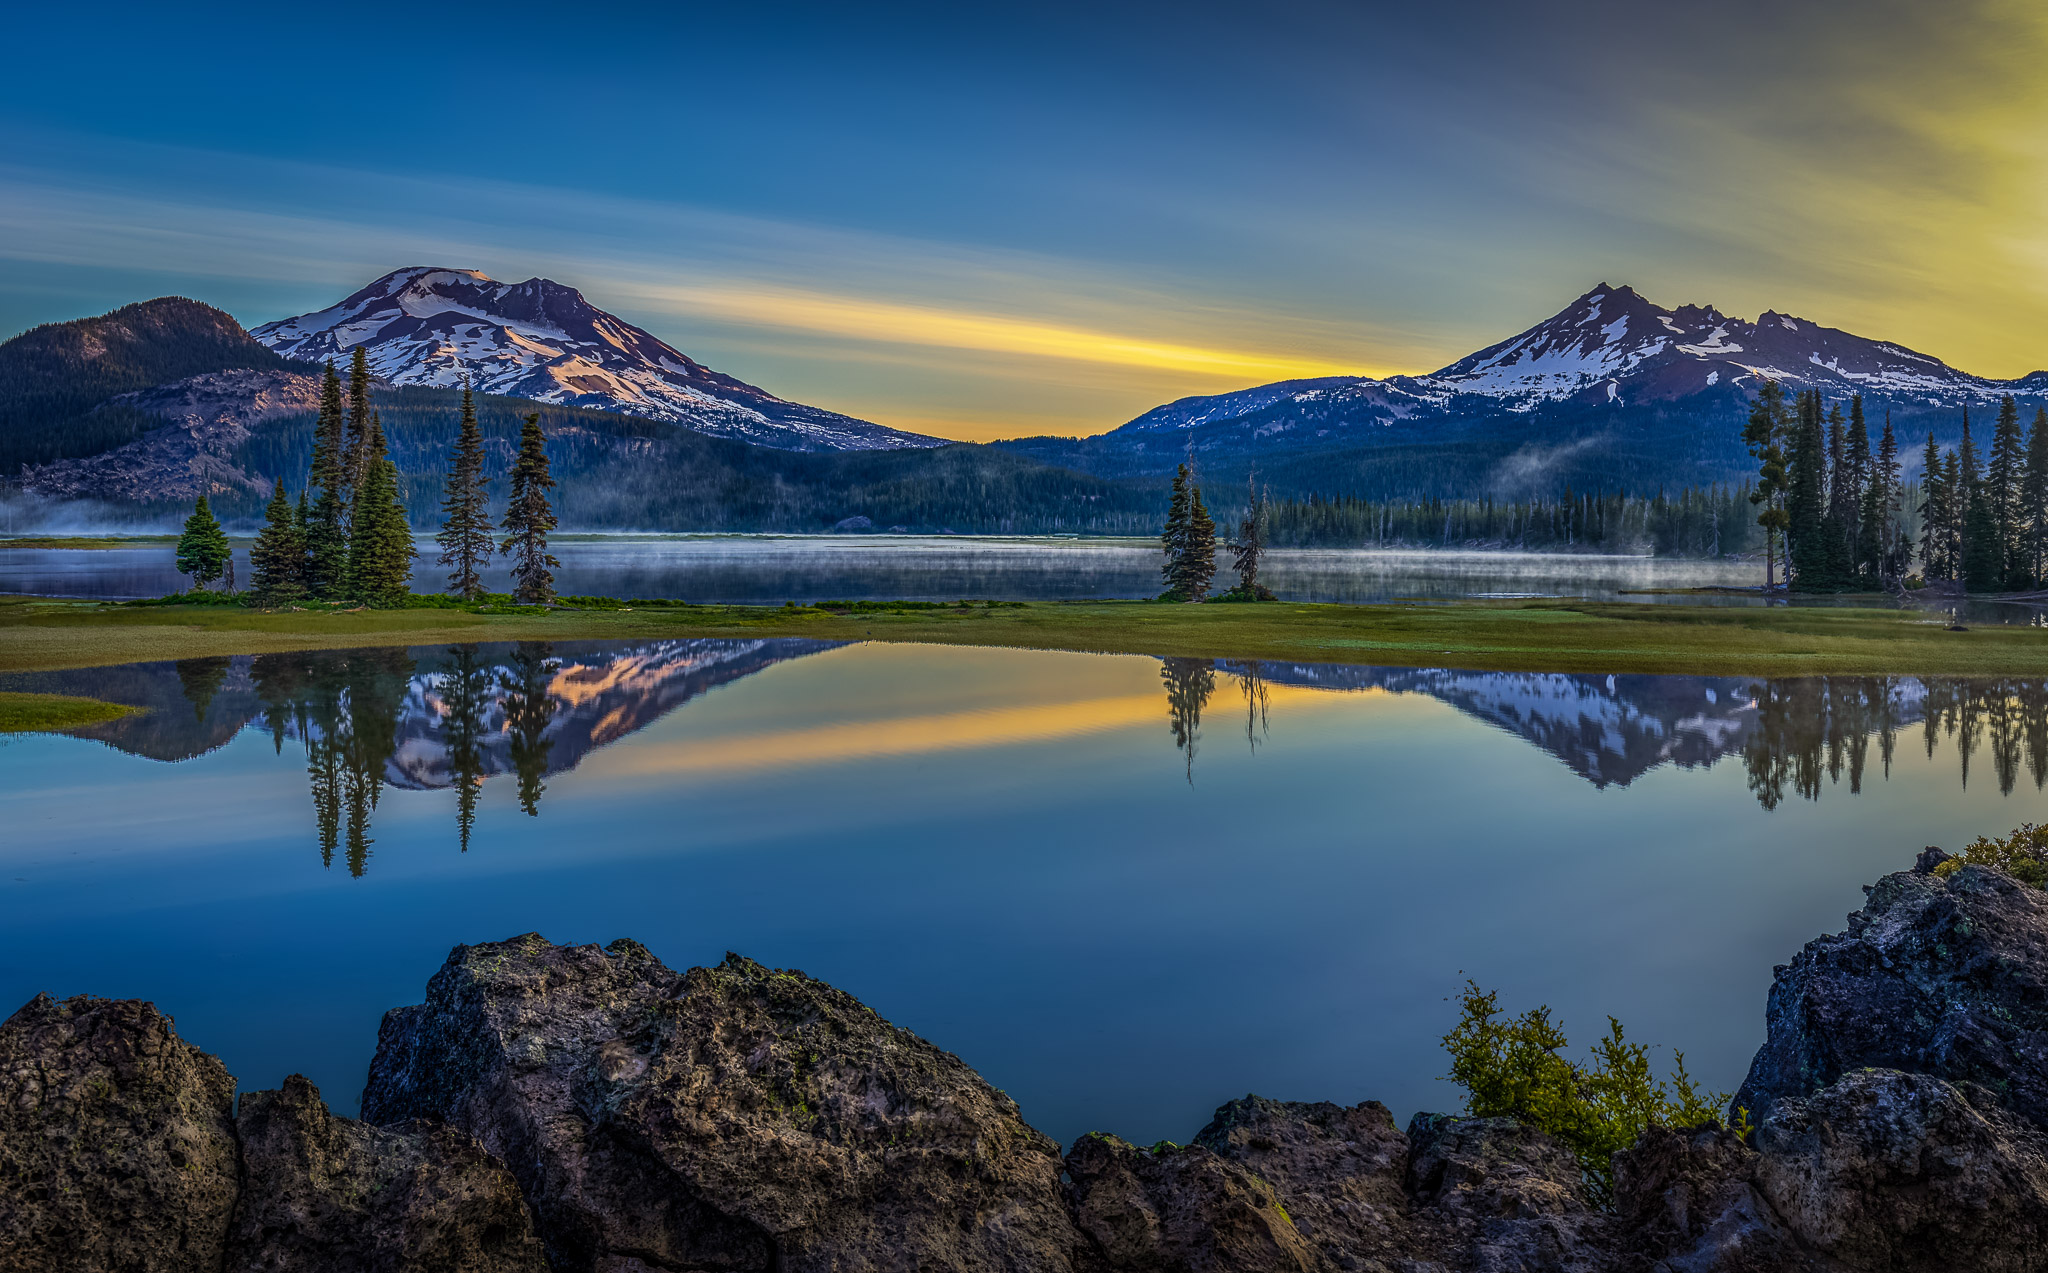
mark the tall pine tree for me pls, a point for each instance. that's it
(1806, 498)
(278, 558)
(2004, 478)
(1765, 436)
(327, 520)
(465, 536)
(528, 519)
(380, 549)
(356, 460)
(2034, 499)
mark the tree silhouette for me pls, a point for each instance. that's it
(1189, 683)
(529, 710)
(466, 697)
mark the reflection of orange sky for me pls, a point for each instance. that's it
(996, 726)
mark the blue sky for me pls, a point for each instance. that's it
(985, 221)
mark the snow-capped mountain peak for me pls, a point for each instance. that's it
(430, 325)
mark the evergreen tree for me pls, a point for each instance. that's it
(2034, 500)
(278, 559)
(1864, 535)
(380, 549)
(356, 458)
(1956, 505)
(1199, 565)
(1173, 538)
(2003, 479)
(1765, 437)
(1983, 556)
(1875, 557)
(465, 536)
(1806, 497)
(528, 519)
(1844, 493)
(1250, 545)
(1933, 511)
(203, 549)
(326, 523)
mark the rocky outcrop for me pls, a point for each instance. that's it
(117, 1141)
(1940, 976)
(733, 1117)
(206, 419)
(584, 1109)
(326, 1192)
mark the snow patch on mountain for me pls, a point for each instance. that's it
(425, 325)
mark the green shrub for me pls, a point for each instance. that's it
(1513, 1067)
(2022, 855)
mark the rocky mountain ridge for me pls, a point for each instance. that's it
(427, 325)
(589, 1110)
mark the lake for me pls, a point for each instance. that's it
(772, 569)
(1125, 889)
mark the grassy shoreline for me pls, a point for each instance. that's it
(43, 634)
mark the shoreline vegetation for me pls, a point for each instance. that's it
(38, 634)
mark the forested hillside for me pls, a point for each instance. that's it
(55, 378)
(619, 472)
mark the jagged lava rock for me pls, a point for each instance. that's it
(1945, 977)
(733, 1117)
(1180, 1209)
(1689, 1196)
(1339, 1170)
(117, 1144)
(322, 1192)
(1507, 1196)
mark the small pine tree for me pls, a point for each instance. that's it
(1173, 537)
(528, 519)
(203, 549)
(278, 558)
(326, 523)
(465, 536)
(1250, 545)
(380, 549)
(1198, 564)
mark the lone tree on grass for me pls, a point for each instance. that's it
(203, 551)
(1250, 546)
(465, 536)
(1189, 540)
(380, 547)
(529, 518)
(278, 559)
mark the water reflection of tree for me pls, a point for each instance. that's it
(1813, 728)
(1252, 680)
(466, 698)
(1189, 683)
(529, 708)
(345, 708)
(201, 679)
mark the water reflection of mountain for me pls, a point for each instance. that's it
(1794, 735)
(432, 718)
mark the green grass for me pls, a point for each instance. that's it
(22, 712)
(1506, 636)
(86, 541)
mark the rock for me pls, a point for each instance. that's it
(1944, 977)
(117, 1145)
(322, 1192)
(849, 524)
(724, 1118)
(1505, 1195)
(1884, 1170)
(1689, 1197)
(1180, 1209)
(1339, 1171)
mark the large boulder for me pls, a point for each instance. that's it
(1340, 1171)
(1689, 1197)
(1884, 1170)
(1180, 1209)
(117, 1142)
(1505, 1196)
(1944, 977)
(322, 1192)
(733, 1117)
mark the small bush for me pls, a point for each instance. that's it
(1511, 1066)
(2022, 855)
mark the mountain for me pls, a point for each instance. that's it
(540, 340)
(61, 384)
(1611, 392)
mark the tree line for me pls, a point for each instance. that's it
(1705, 521)
(347, 537)
(1837, 505)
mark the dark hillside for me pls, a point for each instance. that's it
(52, 377)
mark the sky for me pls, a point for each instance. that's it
(985, 221)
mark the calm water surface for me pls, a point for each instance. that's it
(1124, 889)
(769, 569)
